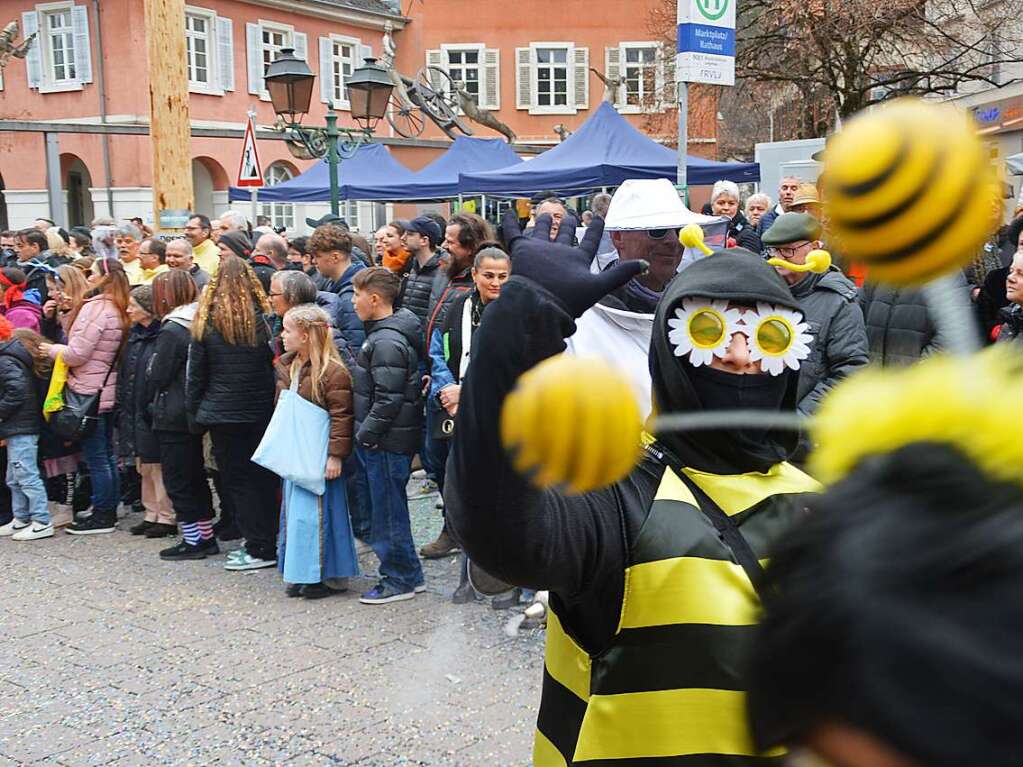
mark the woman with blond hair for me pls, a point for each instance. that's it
(230, 391)
(312, 368)
(96, 333)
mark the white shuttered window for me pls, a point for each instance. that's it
(61, 60)
(264, 40)
(475, 66)
(552, 78)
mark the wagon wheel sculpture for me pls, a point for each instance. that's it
(431, 95)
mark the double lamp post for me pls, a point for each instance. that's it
(290, 83)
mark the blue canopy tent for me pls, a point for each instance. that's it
(439, 179)
(371, 163)
(605, 151)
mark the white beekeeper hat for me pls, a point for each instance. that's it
(649, 204)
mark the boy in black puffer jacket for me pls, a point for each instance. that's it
(388, 423)
(21, 421)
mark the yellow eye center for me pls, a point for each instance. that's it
(774, 336)
(707, 329)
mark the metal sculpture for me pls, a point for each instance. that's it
(479, 115)
(612, 86)
(8, 47)
(430, 95)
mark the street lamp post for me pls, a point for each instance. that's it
(290, 83)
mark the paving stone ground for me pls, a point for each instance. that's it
(109, 656)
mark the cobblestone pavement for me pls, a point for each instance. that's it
(109, 656)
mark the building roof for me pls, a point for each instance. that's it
(370, 6)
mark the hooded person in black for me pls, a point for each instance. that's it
(612, 634)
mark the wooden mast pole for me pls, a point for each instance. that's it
(169, 124)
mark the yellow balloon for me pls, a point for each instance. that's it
(573, 423)
(817, 261)
(910, 191)
(691, 236)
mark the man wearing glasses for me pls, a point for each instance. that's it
(643, 221)
(199, 232)
(829, 303)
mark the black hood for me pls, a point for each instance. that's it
(403, 321)
(735, 275)
(14, 348)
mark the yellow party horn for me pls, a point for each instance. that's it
(691, 236)
(817, 261)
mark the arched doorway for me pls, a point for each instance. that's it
(77, 181)
(209, 186)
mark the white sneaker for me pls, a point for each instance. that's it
(12, 527)
(33, 532)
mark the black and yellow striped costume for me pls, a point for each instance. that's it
(647, 699)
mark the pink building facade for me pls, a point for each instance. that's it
(89, 70)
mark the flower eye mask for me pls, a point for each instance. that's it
(702, 330)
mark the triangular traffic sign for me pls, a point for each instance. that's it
(249, 170)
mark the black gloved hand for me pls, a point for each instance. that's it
(560, 268)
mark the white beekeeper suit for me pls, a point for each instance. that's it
(621, 337)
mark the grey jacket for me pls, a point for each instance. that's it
(829, 303)
(900, 330)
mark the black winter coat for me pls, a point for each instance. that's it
(167, 379)
(1012, 325)
(135, 436)
(445, 291)
(415, 292)
(264, 271)
(744, 233)
(21, 407)
(899, 327)
(388, 387)
(229, 383)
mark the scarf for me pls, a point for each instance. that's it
(14, 291)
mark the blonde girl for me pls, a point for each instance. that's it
(313, 369)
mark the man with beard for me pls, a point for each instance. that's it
(651, 579)
(127, 240)
(466, 233)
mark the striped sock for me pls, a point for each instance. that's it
(205, 529)
(190, 530)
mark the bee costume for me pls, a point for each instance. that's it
(652, 603)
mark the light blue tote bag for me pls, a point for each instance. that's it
(294, 446)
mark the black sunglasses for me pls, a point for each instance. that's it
(660, 234)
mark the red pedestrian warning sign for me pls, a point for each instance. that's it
(249, 170)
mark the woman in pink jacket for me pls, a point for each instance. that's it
(94, 343)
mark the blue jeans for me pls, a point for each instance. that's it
(435, 458)
(354, 473)
(388, 474)
(98, 450)
(28, 493)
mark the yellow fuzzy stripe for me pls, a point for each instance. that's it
(688, 590)
(735, 493)
(641, 725)
(545, 754)
(566, 662)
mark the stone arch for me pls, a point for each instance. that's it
(209, 186)
(76, 182)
